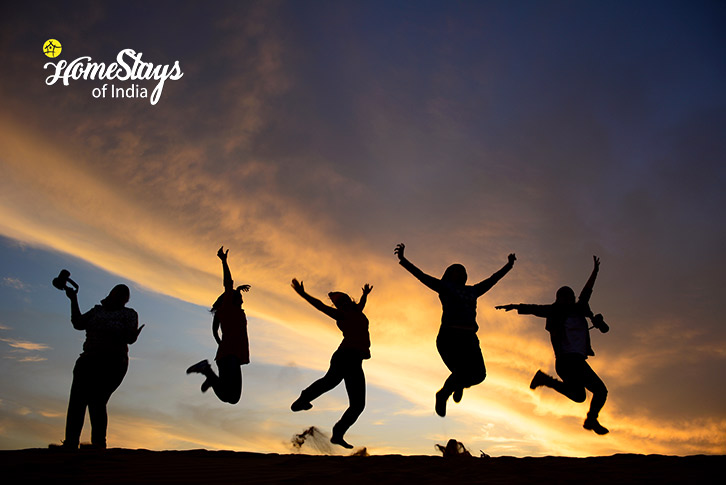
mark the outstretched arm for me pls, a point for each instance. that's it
(485, 285)
(527, 309)
(363, 299)
(428, 280)
(587, 289)
(227, 275)
(300, 289)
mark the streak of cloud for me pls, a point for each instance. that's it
(25, 345)
(14, 283)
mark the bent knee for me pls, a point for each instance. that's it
(578, 396)
(474, 378)
(355, 410)
(477, 380)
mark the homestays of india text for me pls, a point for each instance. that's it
(128, 67)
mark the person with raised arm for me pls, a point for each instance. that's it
(457, 342)
(346, 364)
(567, 324)
(233, 349)
(110, 328)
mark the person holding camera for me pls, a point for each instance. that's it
(570, 336)
(110, 328)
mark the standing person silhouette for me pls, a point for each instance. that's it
(233, 348)
(346, 364)
(457, 342)
(110, 328)
(570, 336)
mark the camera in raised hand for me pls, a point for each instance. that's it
(599, 323)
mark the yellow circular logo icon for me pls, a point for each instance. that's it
(52, 48)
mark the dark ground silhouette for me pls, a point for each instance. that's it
(453, 449)
(121, 466)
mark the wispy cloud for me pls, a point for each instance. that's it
(32, 359)
(25, 345)
(15, 283)
(21, 348)
(51, 414)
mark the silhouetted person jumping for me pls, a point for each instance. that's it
(346, 364)
(570, 336)
(457, 342)
(110, 328)
(233, 348)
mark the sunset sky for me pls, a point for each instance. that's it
(309, 138)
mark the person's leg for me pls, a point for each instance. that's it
(472, 370)
(469, 369)
(594, 384)
(446, 345)
(332, 378)
(203, 367)
(570, 368)
(107, 377)
(228, 386)
(77, 403)
(577, 376)
(355, 386)
(462, 355)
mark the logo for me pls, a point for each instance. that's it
(128, 66)
(52, 48)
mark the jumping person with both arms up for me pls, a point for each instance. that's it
(346, 364)
(233, 347)
(457, 342)
(570, 336)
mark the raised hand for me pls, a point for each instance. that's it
(71, 292)
(596, 262)
(222, 254)
(511, 258)
(399, 251)
(298, 286)
(244, 288)
(367, 289)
